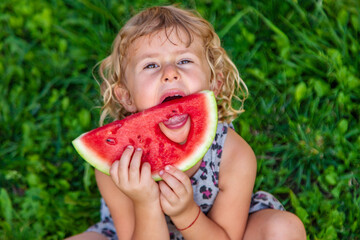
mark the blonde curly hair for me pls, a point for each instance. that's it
(170, 18)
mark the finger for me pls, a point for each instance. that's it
(164, 203)
(145, 172)
(167, 193)
(134, 168)
(114, 172)
(124, 164)
(177, 180)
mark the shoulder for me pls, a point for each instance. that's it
(238, 160)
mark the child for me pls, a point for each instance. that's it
(163, 52)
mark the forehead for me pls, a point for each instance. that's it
(174, 37)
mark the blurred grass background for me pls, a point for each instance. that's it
(300, 60)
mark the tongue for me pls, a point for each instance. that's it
(176, 121)
(176, 128)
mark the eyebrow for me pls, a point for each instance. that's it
(151, 55)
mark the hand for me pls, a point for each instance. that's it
(134, 180)
(176, 193)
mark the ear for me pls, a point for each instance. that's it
(218, 83)
(124, 98)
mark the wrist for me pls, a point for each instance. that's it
(147, 206)
(149, 221)
(186, 219)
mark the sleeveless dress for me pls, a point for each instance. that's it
(205, 188)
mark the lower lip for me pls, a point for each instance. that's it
(177, 121)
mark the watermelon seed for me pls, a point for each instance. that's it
(139, 139)
(111, 141)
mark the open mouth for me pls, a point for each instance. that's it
(177, 126)
(170, 98)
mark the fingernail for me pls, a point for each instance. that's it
(167, 168)
(138, 149)
(130, 147)
(161, 172)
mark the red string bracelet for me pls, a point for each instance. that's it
(182, 229)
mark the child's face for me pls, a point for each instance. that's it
(158, 68)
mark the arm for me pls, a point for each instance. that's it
(236, 182)
(132, 197)
(228, 216)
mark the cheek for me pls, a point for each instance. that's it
(144, 97)
(206, 71)
(202, 80)
(206, 75)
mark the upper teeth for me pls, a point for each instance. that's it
(170, 97)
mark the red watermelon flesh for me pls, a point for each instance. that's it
(104, 145)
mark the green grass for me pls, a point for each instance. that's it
(300, 60)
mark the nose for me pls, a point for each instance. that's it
(170, 73)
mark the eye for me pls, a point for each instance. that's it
(151, 65)
(185, 61)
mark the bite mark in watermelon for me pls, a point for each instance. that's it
(104, 145)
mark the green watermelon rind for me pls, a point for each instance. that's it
(92, 158)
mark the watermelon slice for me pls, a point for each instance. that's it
(102, 146)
